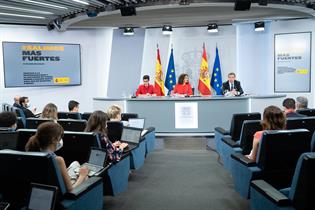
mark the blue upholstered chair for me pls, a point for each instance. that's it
(137, 155)
(20, 113)
(235, 128)
(277, 156)
(244, 145)
(20, 124)
(86, 115)
(69, 115)
(76, 145)
(305, 122)
(19, 169)
(33, 123)
(299, 196)
(73, 125)
(149, 139)
(116, 176)
(114, 130)
(307, 112)
(127, 116)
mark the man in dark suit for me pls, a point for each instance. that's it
(289, 108)
(232, 87)
(24, 102)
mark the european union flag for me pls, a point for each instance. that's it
(170, 79)
(216, 78)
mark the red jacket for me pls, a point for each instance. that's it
(144, 90)
(183, 89)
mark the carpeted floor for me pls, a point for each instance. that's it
(179, 179)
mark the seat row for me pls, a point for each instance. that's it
(19, 168)
(277, 158)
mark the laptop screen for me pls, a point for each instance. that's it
(136, 123)
(42, 198)
(97, 157)
(131, 135)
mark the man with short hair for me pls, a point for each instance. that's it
(8, 120)
(25, 104)
(232, 87)
(17, 101)
(301, 102)
(145, 89)
(73, 106)
(289, 108)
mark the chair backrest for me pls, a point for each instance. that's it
(114, 130)
(33, 123)
(72, 125)
(20, 124)
(303, 183)
(279, 152)
(86, 115)
(23, 136)
(19, 169)
(8, 139)
(126, 116)
(77, 146)
(307, 112)
(6, 107)
(69, 115)
(249, 128)
(19, 113)
(237, 123)
(305, 122)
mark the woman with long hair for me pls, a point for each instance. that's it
(273, 119)
(48, 138)
(97, 123)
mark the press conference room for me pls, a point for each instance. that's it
(157, 105)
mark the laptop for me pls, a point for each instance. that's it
(42, 197)
(131, 136)
(136, 122)
(96, 162)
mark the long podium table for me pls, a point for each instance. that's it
(189, 115)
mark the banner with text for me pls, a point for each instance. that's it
(41, 64)
(293, 62)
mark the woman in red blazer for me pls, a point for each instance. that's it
(183, 87)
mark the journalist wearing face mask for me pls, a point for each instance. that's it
(25, 105)
(48, 138)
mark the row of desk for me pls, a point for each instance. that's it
(193, 115)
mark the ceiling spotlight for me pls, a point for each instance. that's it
(92, 13)
(128, 31)
(213, 28)
(259, 26)
(167, 30)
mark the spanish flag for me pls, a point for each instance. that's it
(204, 78)
(159, 83)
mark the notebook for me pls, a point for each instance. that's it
(96, 162)
(131, 136)
(42, 197)
(136, 122)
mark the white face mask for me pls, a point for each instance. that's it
(28, 105)
(59, 145)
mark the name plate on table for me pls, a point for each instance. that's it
(186, 115)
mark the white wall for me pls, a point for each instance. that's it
(95, 59)
(255, 56)
(187, 44)
(254, 59)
